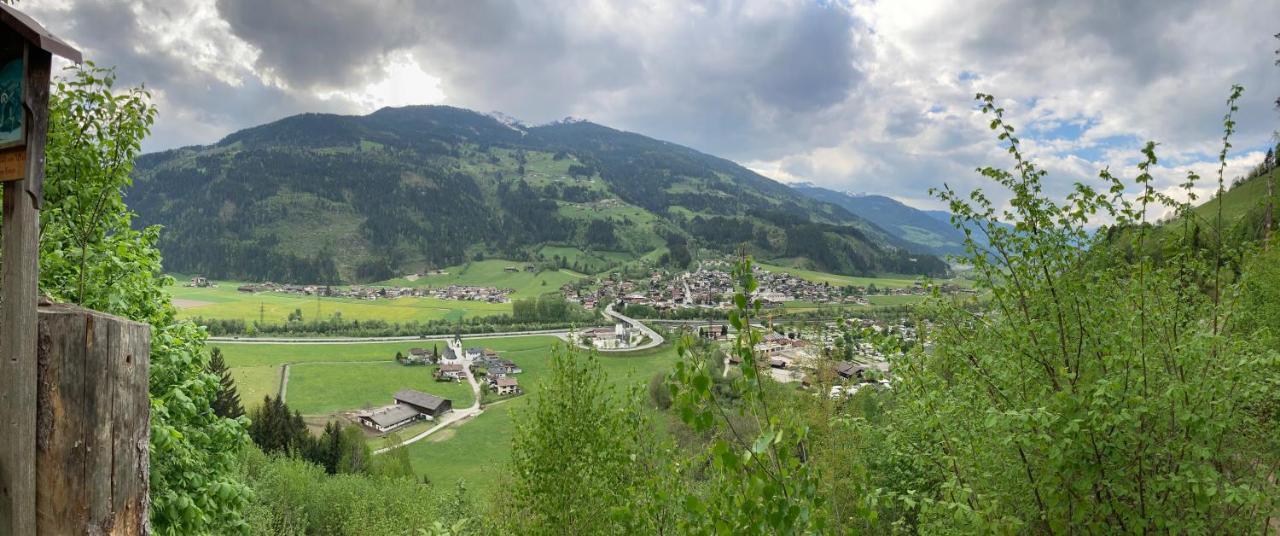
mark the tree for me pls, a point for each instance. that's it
(275, 430)
(355, 452)
(614, 481)
(227, 405)
(1103, 391)
(91, 255)
(759, 482)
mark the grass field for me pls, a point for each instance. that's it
(225, 302)
(882, 281)
(479, 450)
(328, 378)
(889, 280)
(492, 273)
(323, 388)
(254, 383)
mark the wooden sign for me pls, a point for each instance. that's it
(13, 164)
(13, 118)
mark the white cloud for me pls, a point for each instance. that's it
(873, 96)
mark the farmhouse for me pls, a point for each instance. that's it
(848, 370)
(387, 419)
(418, 355)
(714, 331)
(451, 372)
(430, 405)
(506, 386)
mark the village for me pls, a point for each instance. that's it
(358, 292)
(711, 286)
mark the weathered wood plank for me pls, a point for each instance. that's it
(18, 362)
(130, 469)
(93, 419)
(19, 276)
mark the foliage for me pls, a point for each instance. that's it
(1099, 393)
(295, 497)
(585, 461)
(548, 308)
(759, 482)
(227, 405)
(90, 255)
(277, 430)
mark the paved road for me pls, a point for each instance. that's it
(366, 340)
(455, 415)
(654, 338)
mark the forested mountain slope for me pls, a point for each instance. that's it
(916, 227)
(329, 198)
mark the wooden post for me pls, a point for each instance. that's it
(93, 423)
(19, 276)
(26, 50)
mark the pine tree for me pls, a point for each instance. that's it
(274, 429)
(227, 404)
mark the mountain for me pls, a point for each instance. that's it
(922, 230)
(336, 198)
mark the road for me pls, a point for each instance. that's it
(366, 340)
(654, 338)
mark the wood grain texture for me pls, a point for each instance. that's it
(94, 423)
(19, 277)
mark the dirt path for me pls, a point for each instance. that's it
(284, 381)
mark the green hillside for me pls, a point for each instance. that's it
(1242, 199)
(916, 228)
(320, 198)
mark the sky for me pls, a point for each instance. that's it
(873, 97)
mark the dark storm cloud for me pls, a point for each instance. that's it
(196, 104)
(321, 43)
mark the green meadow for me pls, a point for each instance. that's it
(493, 273)
(325, 379)
(225, 302)
(477, 451)
(325, 388)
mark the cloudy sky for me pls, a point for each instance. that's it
(865, 96)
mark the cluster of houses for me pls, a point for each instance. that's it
(451, 292)
(407, 406)
(711, 286)
(795, 357)
(499, 372)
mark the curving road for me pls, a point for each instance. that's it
(654, 338)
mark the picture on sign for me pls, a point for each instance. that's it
(11, 116)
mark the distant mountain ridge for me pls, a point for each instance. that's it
(336, 198)
(924, 230)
